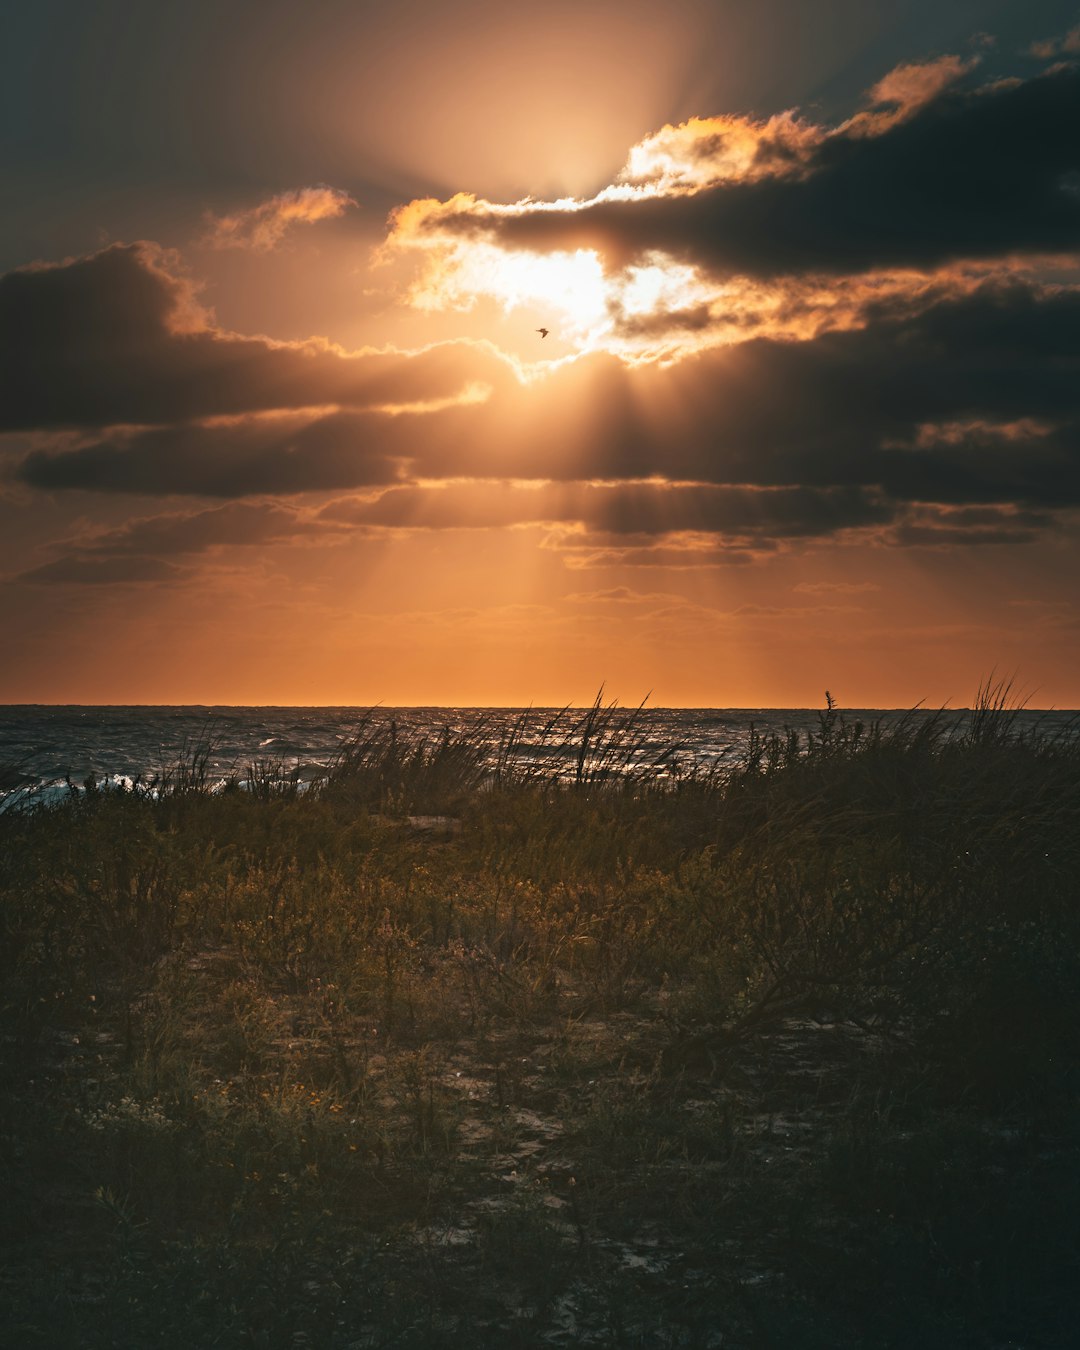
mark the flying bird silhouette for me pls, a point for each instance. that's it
(543, 332)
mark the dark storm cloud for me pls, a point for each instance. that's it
(972, 175)
(778, 512)
(1000, 369)
(986, 464)
(225, 459)
(976, 400)
(116, 337)
(935, 527)
(641, 509)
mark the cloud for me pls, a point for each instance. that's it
(619, 595)
(78, 571)
(705, 151)
(1067, 45)
(906, 89)
(792, 333)
(140, 551)
(941, 174)
(238, 524)
(944, 527)
(234, 457)
(675, 555)
(835, 587)
(263, 227)
(618, 509)
(974, 400)
(119, 337)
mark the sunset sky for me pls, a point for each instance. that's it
(277, 425)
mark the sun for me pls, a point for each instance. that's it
(586, 305)
(571, 284)
(567, 289)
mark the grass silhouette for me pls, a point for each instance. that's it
(560, 1044)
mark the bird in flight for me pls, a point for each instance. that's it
(543, 332)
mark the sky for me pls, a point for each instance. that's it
(436, 353)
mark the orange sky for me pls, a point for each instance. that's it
(278, 425)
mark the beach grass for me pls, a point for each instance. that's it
(584, 1047)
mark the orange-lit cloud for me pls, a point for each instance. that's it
(677, 553)
(931, 174)
(904, 90)
(767, 439)
(1067, 45)
(119, 337)
(263, 227)
(705, 151)
(153, 549)
(721, 229)
(237, 524)
(616, 509)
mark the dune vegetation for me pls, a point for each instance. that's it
(436, 1052)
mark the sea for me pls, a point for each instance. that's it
(46, 750)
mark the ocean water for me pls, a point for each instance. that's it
(45, 747)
